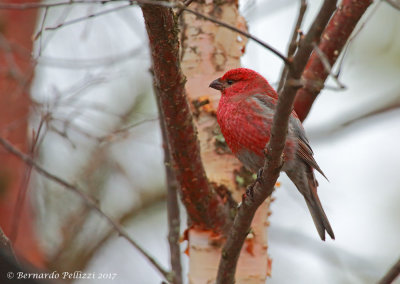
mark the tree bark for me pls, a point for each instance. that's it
(16, 30)
(205, 208)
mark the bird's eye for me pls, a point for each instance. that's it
(230, 82)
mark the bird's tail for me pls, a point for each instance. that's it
(317, 212)
(319, 217)
(303, 178)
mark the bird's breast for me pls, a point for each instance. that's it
(243, 128)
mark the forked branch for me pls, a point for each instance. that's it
(332, 42)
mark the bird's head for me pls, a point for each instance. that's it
(241, 81)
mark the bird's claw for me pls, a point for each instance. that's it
(250, 188)
(259, 175)
(250, 191)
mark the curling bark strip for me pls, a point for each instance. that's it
(332, 42)
(204, 206)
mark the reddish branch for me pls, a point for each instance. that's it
(332, 42)
(261, 190)
(172, 207)
(16, 29)
(173, 221)
(205, 208)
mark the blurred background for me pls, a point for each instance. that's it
(95, 123)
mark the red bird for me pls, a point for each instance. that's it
(245, 114)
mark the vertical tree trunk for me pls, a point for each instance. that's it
(16, 29)
(208, 51)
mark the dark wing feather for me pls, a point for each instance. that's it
(304, 150)
(305, 153)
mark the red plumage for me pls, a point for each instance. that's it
(245, 114)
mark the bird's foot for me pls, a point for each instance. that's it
(259, 175)
(250, 190)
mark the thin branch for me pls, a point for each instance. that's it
(327, 66)
(186, 3)
(40, 32)
(394, 3)
(173, 224)
(33, 5)
(92, 203)
(172, 209)
(23, 188)
(392, 274)
(293, 42)
(246, 34)
(70, 63)
(25, 6)
(262, 189)
(120, 132)
(332, 42)
(90, 16)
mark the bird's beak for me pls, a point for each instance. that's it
(217, 84)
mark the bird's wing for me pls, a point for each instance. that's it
(304, 150)
(265, 102)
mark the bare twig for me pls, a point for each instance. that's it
(381, 109)
(13, 68)
(25, 6)
(71, 63)
(394, 3)
(186, 3)
(172, 209)
(246, 34)
(293, 42)
(40, 32)
(33, 5)
(392, 274)
(328, 68)
(273, 162)
(124, 130)
(90, 16)
(23, 188)
(92, 203)
(173, 224)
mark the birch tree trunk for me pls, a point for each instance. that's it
(208, 51)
